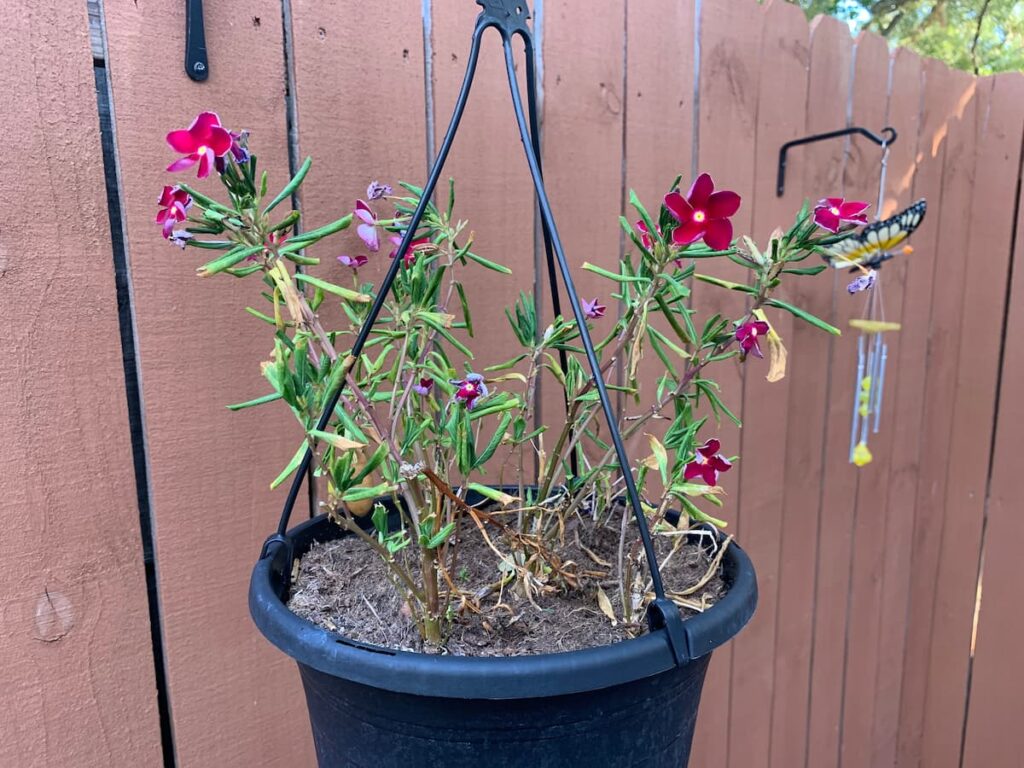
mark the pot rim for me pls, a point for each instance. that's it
(469, 677)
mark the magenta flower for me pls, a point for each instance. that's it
(424, 386)
(831, 212)
(747, 335)
(175, 202)
(239, 150)
(376, 190)
(703, 213)
(707, 464)
(645, 235)
(469, 389)
(202, 142)
(355, 262)
(410, 254)
(367, 230)
(593, 310)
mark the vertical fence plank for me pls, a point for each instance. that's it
(658, 139)
(993, 733)
(955, 105)
(868, 92)
(822, 165)
(198, 351)
(361, 112)
(883, 595)
(782, 101)
(730, 39)
(1000, 112)
(75, 653)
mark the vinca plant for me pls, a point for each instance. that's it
(420, 424)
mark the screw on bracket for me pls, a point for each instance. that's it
(510, 15)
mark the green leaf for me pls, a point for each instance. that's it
(307, 238)
(488, 264)
(807, 270)
(617, 277)
(441, 536)
(212, 245)
(229, 259)
(292, 185)
(492, 446)
(372, 464)
(204, 201)
(492, 493)
(346, 293)
(742, 287)
(362, 494)
(292, 466)
(379, 518)
(257, 401)
(642, 211)
(433, 322)
(807, 317)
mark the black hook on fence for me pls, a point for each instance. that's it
(509, 18)
(883, 141)
(197, 66)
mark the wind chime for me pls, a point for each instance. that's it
(864, 253)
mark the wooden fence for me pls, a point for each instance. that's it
(874, 643)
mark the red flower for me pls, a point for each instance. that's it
(202, 142)
(747, 335)
(424, 387)
(703, 213)
(469, 389)
(175, 204)
(410, 254)
(707, 464)
(831, 212)
(353, 261)
(645, 235)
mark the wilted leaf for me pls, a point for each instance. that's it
(606, 605)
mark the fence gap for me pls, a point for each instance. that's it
(132, 378)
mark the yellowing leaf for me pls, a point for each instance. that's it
(776, 351)
(337, 441)
(606, 606)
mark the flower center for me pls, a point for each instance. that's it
(699, 216)
(202, 150)
(470, 388)
(834, 211)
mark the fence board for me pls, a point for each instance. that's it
(993, 733)
(209, 468)
(998, 143)
(837, 513)
(728, 89)
(658, 140)
(886, 579)
(957, 129)
(810, 356)
(75, 653)
(782, 101)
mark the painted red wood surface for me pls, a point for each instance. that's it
(993, 735)
(809, 397)
(236, 701)
(78, 686)
(784, 53)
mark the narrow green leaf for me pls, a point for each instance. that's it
(742, 287)
(346, 293)
(257, 401)
(229, 259)
(488, 264)
(292, 466)
(617, 277)
(441, 536)
(292, 185)
(805, 316)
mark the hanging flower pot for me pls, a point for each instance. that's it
(623, 581)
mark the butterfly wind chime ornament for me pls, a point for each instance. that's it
(863, 254)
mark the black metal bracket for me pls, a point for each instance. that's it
(509, 18)
(883, 141)
(197, 66)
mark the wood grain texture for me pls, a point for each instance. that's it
(999, 115)
(993, 733)
(878, 596)
(76, 662)
(838, 505)
(729, 77)
(956, 115)
(780, 117)
(236, 700)
(811, 355)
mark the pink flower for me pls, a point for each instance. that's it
(645, 235)
(239, 150)
(703, 213)
(367, 230)
(410, 254)
(202, 142)
(747, 335)
(469, 389)
(175, 202)
(424, 386)
(831, 212)
(353, 261)
(707, 464)
(593, 310)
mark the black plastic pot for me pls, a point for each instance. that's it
(618, 705)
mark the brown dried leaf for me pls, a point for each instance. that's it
(606, 605)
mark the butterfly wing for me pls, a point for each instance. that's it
(871, 246)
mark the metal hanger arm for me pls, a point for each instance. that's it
(883, 141)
